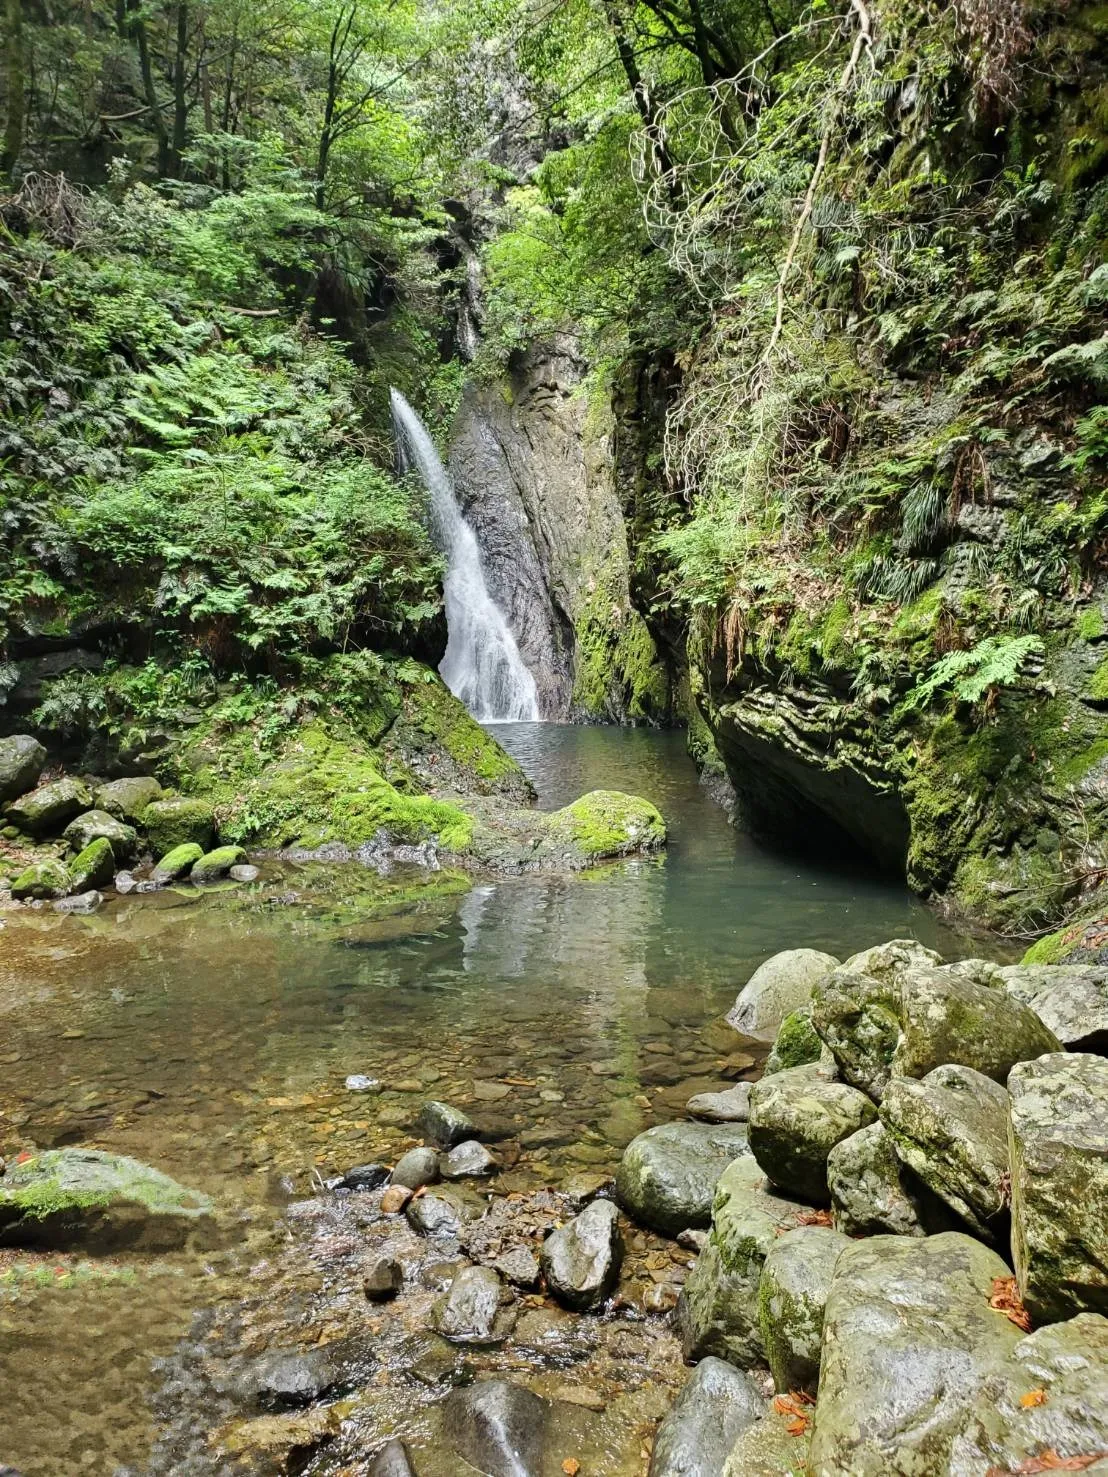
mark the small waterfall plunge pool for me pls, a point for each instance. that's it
(211, 1035)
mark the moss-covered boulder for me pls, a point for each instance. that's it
(83, 1198)
(608, 823)
(1058, 1137)
(22, 760)
(951, 1130)
(796, 1119)
(777, 988)
(128, 798)
(46, 879)
(889, 963)
(908, 1339)
(94, 866)
(874, 1193)
(796, 1043)
(1049, 1395)
(214, 865)
(718, 1308)
(877, 1029)
(177, 863)
(50, 807)
(95, 825)
(668, 1175)
(792, 1295)
(177, 821)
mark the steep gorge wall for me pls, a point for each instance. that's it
(533, 463)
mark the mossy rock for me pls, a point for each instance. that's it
(609, 823)
(94, 866)
(47, 879)
(50, 807)
(21, 762)
(796, 1045)
(84, 1198)
(96, 824)
(177, 863)
(128, 798)
(214, 865)
(174, 822)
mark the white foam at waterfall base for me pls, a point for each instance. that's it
(482, 665)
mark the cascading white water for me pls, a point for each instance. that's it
(482, 665)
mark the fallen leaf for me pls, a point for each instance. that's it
(1048, 1461)
(799, 1426)
(571, 1467)
(1033, 1398)
(1006, 1299)
(814, 1218)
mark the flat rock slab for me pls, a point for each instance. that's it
(796, 1118)
(715, 1405)
(1050, 1395)
(445, 1125)
(1072, 999)
(668, 1175)
(732, 1106)
(908, 1340)
(792, 1295)
(718, 1308)
(776, 988)
(22, 760)
(1059, 1156)
(83, 1198)
(874, 1193)
(951, 1130)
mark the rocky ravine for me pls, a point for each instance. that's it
(902, 1268)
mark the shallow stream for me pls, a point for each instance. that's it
(211, 1035)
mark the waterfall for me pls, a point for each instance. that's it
(482, 665)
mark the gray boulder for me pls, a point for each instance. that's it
(908, 1340)
(931, 1017)
(796, 1119)
(441, 1212)
(88, 1199)
(416, 1168)
(888, 963)
(81, 903)
(128, 798)
(22, 760)
(777, 988)
(98, 825)
(50, 807)
(874, 1193)
(468, 1160)
(287, 1379)
(715, 1405)
(769, 1448)
(731, 1106)
(581, 1259)
(1058, 1141)
(718, 1308)
(1051, 1394)
(792, 1296)
(1072, 999)
(392, 1461)
(668, 1174)
(444, 1125)
(498, 1428)
(951, 1129)
(478, 1309)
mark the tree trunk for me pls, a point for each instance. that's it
(137, 28)
(180, 106)
(16, 85)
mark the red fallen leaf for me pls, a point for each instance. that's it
(22, 1157)
(1006, 1299)
(1048, 1461)
(814, 1218)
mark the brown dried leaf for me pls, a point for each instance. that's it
(571, 1466)
(1033, 1398)
(1006, 1299)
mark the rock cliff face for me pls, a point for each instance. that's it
(532, 461)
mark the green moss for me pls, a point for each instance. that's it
(46, 879)
(1090, 625)
(172, 823)
(434, 709)
(177, 862)
(1098, 686)
(66, 1182)
(619, 673)
(610, 823)
(1074, 768)
(1049, 949)
(796, 1044)
(217, 863)
(94, 866)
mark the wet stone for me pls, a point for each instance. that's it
(498, 1428)
(395, 1198)
(82, 903)
(668, 1175)
(468, 1160)
(392, 1461)
(732, 1106)
(715, 1406)
(444, 1125)
(477, 1309)
(365, 1177)
(581, 1259)
(359, 1082)
(436, 1214)
(383, 1280)
(416, 1168)
(519, 1267)
(288, 1379)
